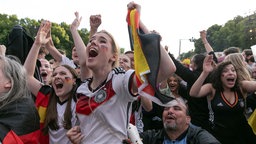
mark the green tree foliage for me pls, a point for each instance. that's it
(122, 50)
(60, 32)
(6, 24)
(239, 32)
(188, 54)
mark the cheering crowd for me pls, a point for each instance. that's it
(93, 96)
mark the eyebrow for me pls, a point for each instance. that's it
(101, 37)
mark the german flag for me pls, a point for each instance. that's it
(19, 123)
(147, 56)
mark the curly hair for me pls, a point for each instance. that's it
(216, 76)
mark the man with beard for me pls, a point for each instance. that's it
(177, 128)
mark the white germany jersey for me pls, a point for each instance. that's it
(59, 136)
(104, 114)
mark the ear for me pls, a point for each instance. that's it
(8, 85)
(188, 119)
(114, 58)
(74, 81)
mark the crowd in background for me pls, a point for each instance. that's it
(93, 96)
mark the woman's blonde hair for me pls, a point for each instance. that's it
(242, 71)
(115, 47)
(239, 63)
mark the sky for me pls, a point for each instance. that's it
(176, 21)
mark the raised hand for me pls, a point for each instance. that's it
(208, 65)
(50, 42)
(95, 21)
(2, 49)
(132, 5)
(44, 29)
(203, 34)
(76, 22)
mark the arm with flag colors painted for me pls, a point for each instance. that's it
(152, 62)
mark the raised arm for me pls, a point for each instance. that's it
(167, 67)
(52, 49)
(2, 50)
(198, 89)
(248, 86)
(146, 103)
(95, 22)
(30, 63)
(207, 46)
(80, 47)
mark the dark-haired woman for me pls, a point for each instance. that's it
(55, 102)
(226, 102)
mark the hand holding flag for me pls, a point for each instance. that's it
(147, 58)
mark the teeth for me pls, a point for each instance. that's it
(58, 81)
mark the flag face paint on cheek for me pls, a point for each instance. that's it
(68, 79)
(104, 48)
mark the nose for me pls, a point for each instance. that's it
(93, 42)
(56, 76)
(170, 111)
(231, 72)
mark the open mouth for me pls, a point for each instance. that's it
(93, 53)
(59, 85)
(230, 79)
(43, 74)
(171, 117)
(172, 86)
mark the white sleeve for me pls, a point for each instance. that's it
(121, 84)
(65, 60)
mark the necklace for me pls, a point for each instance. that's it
(98, 87)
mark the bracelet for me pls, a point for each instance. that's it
(206, 43)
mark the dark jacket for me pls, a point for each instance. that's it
(19, 121)
(198, 107)
(195, 135)
(19, 45)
